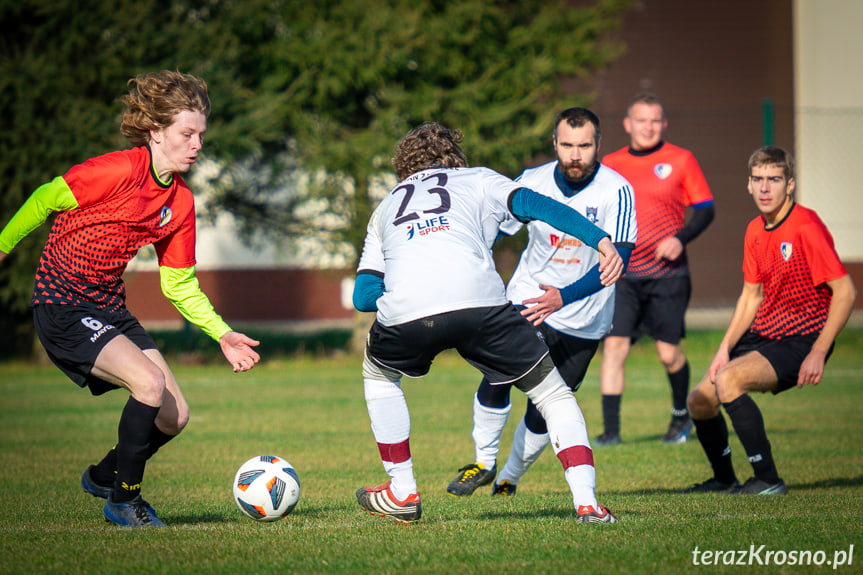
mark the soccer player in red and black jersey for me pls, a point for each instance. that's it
(653, 295)
(109, 207)
(796, 299)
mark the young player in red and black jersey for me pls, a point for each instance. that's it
(796, 299)
(109, 207)
(652, 297)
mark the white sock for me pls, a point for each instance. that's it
(582, 484)
(488, 424)
(391, 425)
(568, 434)
(527, 446)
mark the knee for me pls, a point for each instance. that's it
(173, 416)
(728, 387)
(182, 419)
(702, 402)
(151, 388)
(615, 350)
(671, 356)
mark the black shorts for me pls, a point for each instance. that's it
(571, 355)
(656, 307)
(784, 355)
(74, 336)
(498, 341)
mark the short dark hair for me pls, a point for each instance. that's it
(645, 98)
(576, 118)
(773, 156)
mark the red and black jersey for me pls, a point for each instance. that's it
(666, 180)
(122, 206)
(792, 261)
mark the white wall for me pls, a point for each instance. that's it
(829, 116)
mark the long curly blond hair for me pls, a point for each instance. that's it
(428, 146)
(156, 98)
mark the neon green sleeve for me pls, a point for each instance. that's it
(181, 288)
(55, 196)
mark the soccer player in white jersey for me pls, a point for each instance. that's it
(556, 286)
(427, 269)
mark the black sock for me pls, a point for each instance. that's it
(105, 472)
(133, 448)
(679, 381)
(158, 438)
(611, 414)
(749, 425)
(533, 420)
(713, 435)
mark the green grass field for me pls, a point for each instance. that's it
(311, 411)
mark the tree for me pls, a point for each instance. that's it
(326, 88)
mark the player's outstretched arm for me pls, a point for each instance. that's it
(237, 348)
(2, 255)
(841, 306)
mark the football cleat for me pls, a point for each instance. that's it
(587, 514)
(712, 485)
(678, 430)
(755, 486)
(93, 488)
(380, 501)
(470, 478)
(134, 513)
(504, 488)
(606, 439)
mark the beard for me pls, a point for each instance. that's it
(576, 172)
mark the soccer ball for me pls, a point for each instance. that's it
(266, 488)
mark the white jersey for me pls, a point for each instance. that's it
(430, 240)
(557, 259)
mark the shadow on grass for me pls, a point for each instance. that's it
(830, 483)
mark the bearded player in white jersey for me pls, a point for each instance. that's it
(427, 269)
(556, 286)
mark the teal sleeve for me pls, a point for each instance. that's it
(368, 287)
(527, 205)
(181, 288)
(55, 196)
(589, 283)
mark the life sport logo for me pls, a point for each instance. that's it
(429, 226)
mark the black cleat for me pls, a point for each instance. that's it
(470, 478)
(755, 486)
(712, 485)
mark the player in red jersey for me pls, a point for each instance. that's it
(653, 295)
(796, 299)
(109, 207)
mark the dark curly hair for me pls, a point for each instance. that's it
(156, 98)
(428, 146)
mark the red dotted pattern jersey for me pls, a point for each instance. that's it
(122, 206)
(792, 261)
(666, 181)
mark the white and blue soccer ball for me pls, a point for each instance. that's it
(266, 488)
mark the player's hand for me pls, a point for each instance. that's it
(546, 304)
(610, 263)
(719, 361)
(237, 348)
(669, 249)
(811, 369)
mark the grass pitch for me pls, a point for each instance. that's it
(311, 412)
